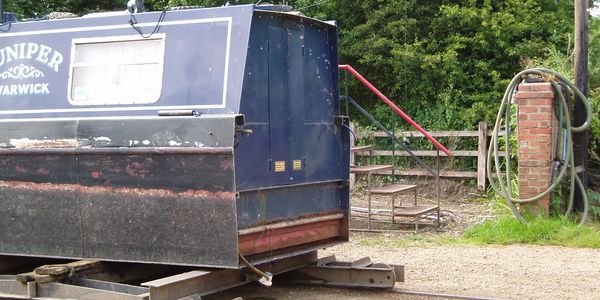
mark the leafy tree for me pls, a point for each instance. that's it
(448, 62)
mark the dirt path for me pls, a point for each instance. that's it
(511, 272)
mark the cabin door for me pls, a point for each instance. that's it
(286, 104)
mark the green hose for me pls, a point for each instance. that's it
(502, 186)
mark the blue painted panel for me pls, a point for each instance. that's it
(299, 67)
(205, 55)
(252, 165)
(296, 134)
(255, 92)
(323, 153)
(287, 202)
(319, 75)
(279, 103)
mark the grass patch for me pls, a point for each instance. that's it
(504, 231)
(537, 231)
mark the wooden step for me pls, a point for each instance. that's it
(422, 172)
(370, 169)
(357, 149)
(413, 211)
(374, 211)
(393, 189)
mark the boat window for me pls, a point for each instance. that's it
(116, 70)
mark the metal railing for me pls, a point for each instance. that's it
(392, 134)
(394, 107)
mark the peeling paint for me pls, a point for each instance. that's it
(102, 139)
(26, 143)
(174, 143)
(133, 142)
(42, 171)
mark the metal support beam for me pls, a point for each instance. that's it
(200, 283)
(49, 281)
(358, 274)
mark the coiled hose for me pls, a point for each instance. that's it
(502, 185)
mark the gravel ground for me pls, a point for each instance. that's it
(509, 272)
(503, 272)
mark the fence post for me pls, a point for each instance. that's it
(352, 156)
(482, 156)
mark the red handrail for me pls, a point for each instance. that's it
(395, 107)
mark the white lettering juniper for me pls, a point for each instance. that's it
(39, 52)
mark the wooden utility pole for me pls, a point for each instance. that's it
(580, 140)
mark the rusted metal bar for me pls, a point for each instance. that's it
(118, 151)
(289, 224)
(280, 238)
(205, 282)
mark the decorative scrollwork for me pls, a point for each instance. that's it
(21, 72)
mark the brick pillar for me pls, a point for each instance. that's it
(536, 142)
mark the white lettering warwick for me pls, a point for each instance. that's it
(31, 51)
(24, 89)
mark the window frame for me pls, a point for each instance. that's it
(110, 39)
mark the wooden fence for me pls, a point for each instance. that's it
(480, 153)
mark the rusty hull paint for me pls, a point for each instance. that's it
(178, 171)
(287, 237)
(42, 187)
(162, 226)
(304, 216)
